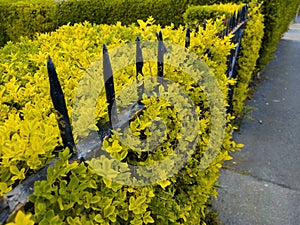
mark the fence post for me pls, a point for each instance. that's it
(160, 57)
(197, 28)
(109, 85)
(139, 66)
(188, 37)
(232, 63)
(139, 58)
(204, 24)
(59, 103)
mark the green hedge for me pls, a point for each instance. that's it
(73, 193)
(42, 16)
(26, 19)
(202, 12)
(278, 16)
(247, 62)
(20, 18)
(250, 46)
(109, 12)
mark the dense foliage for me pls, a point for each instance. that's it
(250, 46)
(27, 17)
(22, 18)
(75, 193)
(19, 18)
(278, 16)
(248, 60)
(200, 13)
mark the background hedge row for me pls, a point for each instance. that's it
(25, 18)
(278, 16)
(28, 17)
(199, 13)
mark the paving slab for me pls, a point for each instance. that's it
(244, 200)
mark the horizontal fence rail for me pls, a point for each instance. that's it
(89, 147)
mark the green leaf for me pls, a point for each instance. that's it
(140, 200)
(98, 218)
(147, 218)
(73, 183)
(108, 211)
(135, 204)
(14, 170)
(59, 200)
(22, 219)
(164, 183)
(95, 199)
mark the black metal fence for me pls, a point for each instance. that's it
(18, 197)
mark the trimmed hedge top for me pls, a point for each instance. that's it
(202, 12)
(43, 16)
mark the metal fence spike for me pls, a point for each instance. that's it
(188, 37)
(139, 67)
(204, 24)
(59, 104)
(160, 57)
(139, 57)
(197, 27)
(109, 85)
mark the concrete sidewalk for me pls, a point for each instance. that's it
(261, 185)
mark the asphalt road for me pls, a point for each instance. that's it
(261, 185)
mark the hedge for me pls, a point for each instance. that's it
(73, 192)
(28, 122)
(278, 16)
(247, 63)
(250, 46)
(200, 13)
(19, 18)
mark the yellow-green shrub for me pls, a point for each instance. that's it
(247, 62)
(26, 17)
(74, 193)
(250, 46)
(202, 12)
(278, 15)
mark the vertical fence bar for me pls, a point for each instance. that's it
(237, 29)
(235, 19)
(160, 57)
(109, 85)
(139, 63)
(197, 28)
(139, 58)
(59, 104)
(238, 17)
(188, 37)
(232, 63)
(204, 24)
(231, 23)
(244, 12)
